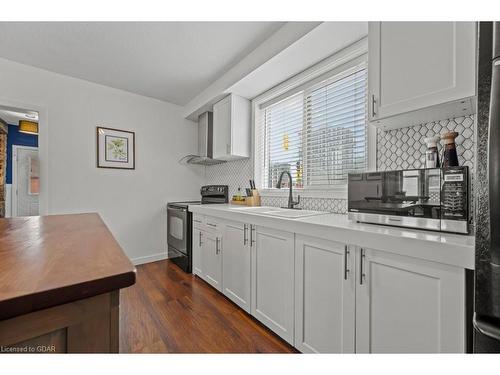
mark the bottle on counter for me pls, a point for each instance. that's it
(432, 153)
(450, 157)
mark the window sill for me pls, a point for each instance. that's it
(332, 193)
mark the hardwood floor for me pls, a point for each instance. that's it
(169, 311)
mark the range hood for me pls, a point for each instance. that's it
(205, 143)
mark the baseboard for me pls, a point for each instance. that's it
(149, 258)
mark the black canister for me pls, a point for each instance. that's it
(450, 157)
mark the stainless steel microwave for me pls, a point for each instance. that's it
(432, 199)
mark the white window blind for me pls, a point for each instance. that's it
(335, 130)
(318, 134)
(283, 150)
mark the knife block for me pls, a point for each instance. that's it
(254, 200)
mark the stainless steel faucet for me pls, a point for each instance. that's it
(291, 202)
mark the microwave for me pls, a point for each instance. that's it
(432, 199)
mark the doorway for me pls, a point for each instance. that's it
(19, 162)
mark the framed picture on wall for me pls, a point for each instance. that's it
(115, 148)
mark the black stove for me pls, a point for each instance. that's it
(180, 224)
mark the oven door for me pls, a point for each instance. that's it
(177, 228)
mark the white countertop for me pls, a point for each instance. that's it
(452, 249)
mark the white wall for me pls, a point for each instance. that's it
(132, 203)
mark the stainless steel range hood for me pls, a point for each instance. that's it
(205, 143)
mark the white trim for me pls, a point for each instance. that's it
(149, 258)
(43, 148)
(348, 58)
(14, 196)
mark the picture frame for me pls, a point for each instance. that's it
(115, 148)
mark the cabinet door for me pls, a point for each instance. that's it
(236, 264)
(197, 251)
(407, 305)
(222, 129)
(211, 259)
(413, 65)
(273, 280)
(324, 296)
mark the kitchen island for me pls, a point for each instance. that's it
(60, 278)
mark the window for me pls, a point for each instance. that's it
(318, 134)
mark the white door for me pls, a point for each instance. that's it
(273, 280)
(324, 296)
(408, 305)
(211, 259)
(236, 264)
(25, 181)
(197, 249)
(414, 65)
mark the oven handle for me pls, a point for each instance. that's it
(176, 208)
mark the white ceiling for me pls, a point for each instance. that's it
(12, 115)
(171, 61)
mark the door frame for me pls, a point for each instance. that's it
(14, 189)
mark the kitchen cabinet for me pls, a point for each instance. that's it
(197, 249)
(408, 305)
(324, 296)
(207, 250)
(272, 297)
(236, 264)
(211, 259)
(231, 128)
(420, 71)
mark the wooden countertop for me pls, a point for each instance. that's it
(50, 260)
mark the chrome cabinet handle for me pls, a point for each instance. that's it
(361, 271)
(217, 245)
(200, 238)
(373, 106)
(212, 225)
(197, 221)
(245, 239)
(252, 229)
(346, 255)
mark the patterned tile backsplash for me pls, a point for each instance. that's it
(405, 148)
(338, 206)
(233, 173)
(396, 149)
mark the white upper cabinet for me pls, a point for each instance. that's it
(231, 128)
(420, 72)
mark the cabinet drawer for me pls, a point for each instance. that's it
(212, 223)
(198, 220)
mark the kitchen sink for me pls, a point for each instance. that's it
(255, 209)
(278, 211)
(293, 214)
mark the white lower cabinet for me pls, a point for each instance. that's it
(408, 305)
(273, 280)
(236, 264)
(211, 259)
(329, 297)
(197, 248)
(324, 296)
